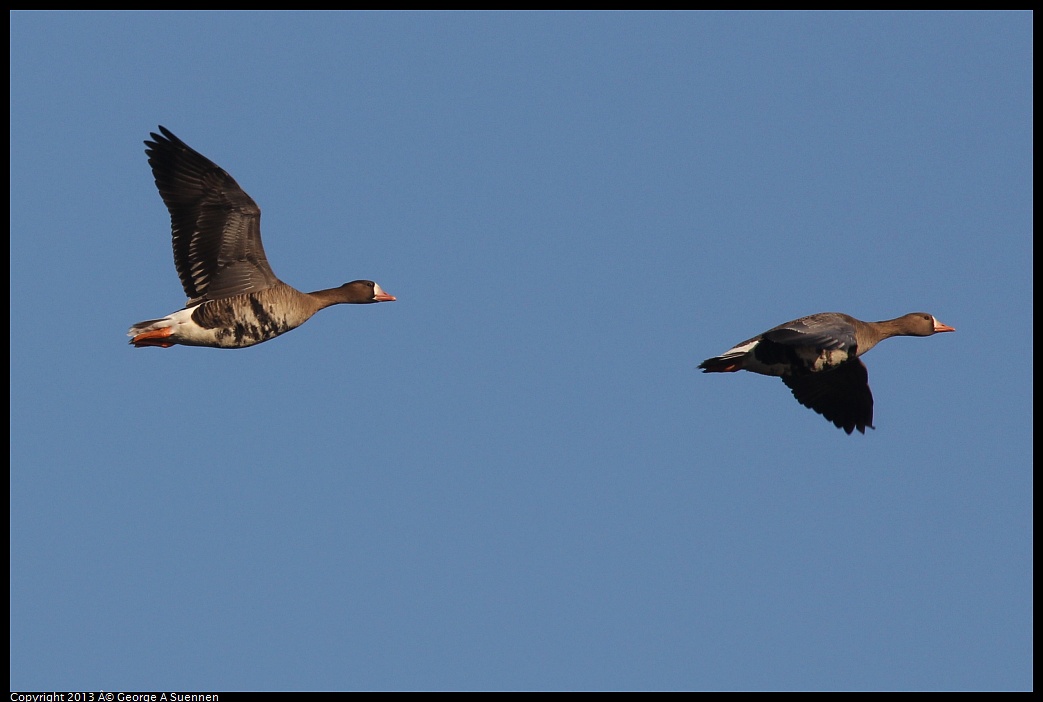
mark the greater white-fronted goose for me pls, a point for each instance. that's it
(817, 358)
(234, 298)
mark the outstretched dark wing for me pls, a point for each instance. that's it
(842, 395)
(216, 226)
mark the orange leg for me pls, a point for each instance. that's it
(156, 337)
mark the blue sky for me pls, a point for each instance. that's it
(514, 477)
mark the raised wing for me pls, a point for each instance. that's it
(216, 227)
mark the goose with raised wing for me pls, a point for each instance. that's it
(234, 298)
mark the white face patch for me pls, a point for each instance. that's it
(377, 290)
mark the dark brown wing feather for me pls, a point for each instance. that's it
(216, 226)
(842, 396)
(825, 330)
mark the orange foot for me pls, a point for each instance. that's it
(156, 337)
